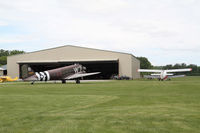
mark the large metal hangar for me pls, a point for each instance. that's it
(107, 62)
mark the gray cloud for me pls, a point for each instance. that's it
(140, 27)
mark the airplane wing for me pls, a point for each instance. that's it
(79, 75)
(149, 70)
(176, 76)
(7, 78)
(179, 70)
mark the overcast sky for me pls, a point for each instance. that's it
(164, 31)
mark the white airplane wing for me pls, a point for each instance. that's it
(149, 70)
(79, 75)
(180, 70)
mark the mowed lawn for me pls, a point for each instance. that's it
(138, 106)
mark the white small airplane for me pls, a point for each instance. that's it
(164, 74)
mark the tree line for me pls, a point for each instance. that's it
(146, 64)
(5, 53)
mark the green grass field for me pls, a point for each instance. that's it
(139, 106)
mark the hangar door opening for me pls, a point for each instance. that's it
(107, 68)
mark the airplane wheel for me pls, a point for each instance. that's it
(63, 81)
(78, 81)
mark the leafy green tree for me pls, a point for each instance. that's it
(177, 66)
(14, 52)
(5, 53)
(194, 67)
(183, 65)
(3, 60)
(144, 63)
(194, 70)
(168, 66)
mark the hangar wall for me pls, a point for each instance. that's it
(135, 67)
(128, 64)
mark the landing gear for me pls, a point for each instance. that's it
(32, 82)
(63, 81)
(78, 81)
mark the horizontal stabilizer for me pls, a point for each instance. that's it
(151, 76)
(169, 74)
(79, 75)
(155, 74)
(176, 76)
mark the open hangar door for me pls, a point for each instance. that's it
(107, 68)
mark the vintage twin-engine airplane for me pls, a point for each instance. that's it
(163, 74)
(75, 71)
(7, 79)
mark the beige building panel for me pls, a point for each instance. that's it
(12, 67)
(126, 61)
(135, 67)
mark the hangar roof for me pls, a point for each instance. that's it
(76, 47)
(60, 61)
